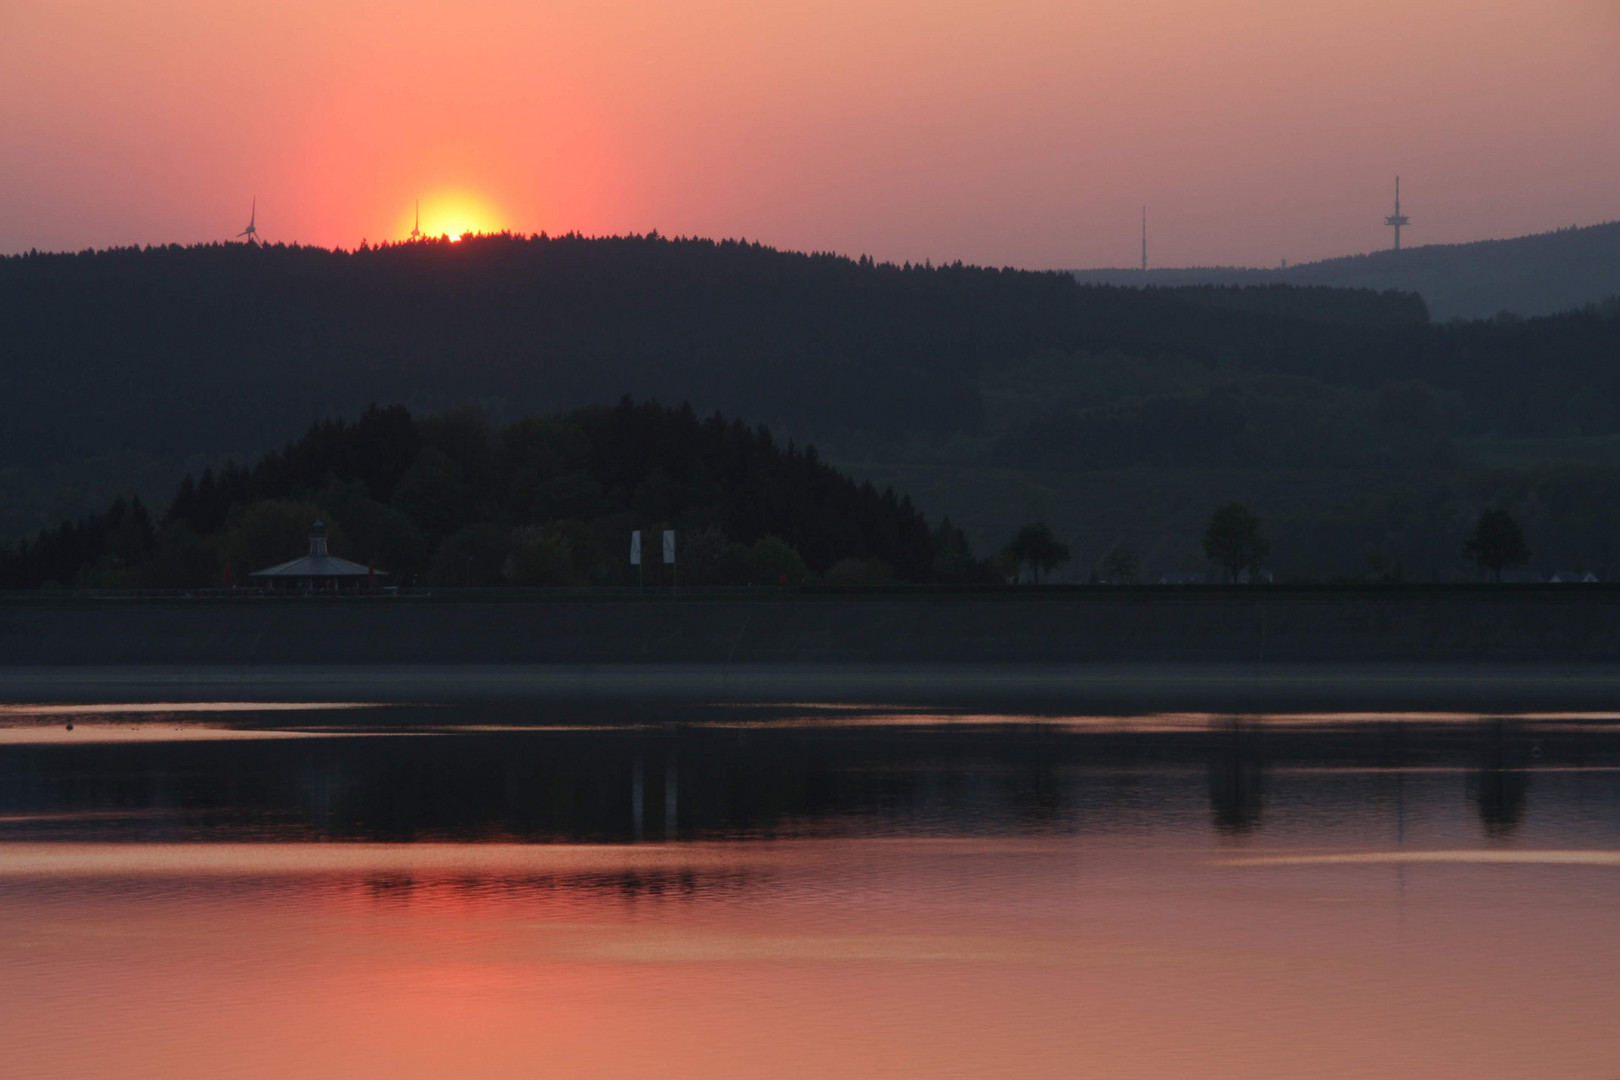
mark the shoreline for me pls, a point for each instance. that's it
(1245, 626)
(1096, 653)
(1111, 689)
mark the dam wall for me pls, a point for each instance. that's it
(1266, 625)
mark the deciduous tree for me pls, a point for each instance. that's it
(1233, 540)
(1497, 543)
(1036, 548)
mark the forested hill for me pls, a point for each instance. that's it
(121, 369)
(1527, 275)
(211, 349)
(454, 500)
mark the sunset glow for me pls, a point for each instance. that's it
(1028, 133)
(452, 214)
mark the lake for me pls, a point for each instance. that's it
(332, 891)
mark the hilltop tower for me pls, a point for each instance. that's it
(1144, 239)
(1397, 219)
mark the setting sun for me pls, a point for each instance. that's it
(452, 214)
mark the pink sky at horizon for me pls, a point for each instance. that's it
(1026, 133)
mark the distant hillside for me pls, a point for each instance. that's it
(1529, 275)
(174, 352)
(996, 396)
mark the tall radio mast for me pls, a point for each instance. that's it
(1397, 219)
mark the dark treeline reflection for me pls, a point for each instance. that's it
(1501, 785)
(731, 778)
(1236, 776)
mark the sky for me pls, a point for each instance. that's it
(1006, 132)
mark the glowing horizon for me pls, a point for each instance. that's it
(1028, 134)
(451, 213)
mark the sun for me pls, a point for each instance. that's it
(453, 213)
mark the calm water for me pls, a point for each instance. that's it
(514, 893)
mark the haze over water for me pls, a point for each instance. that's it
(805, 895)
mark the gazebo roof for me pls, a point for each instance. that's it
(318, 564)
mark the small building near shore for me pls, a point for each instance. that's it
(318, 571)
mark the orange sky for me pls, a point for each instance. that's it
(1023, 132)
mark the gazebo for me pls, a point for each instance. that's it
(318, 570)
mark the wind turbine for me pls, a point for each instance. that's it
(252, 231)
(416, 229)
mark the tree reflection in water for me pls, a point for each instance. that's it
(645, 782)
(1500, 785)
(1236, 774)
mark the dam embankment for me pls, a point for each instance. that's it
(1576, 625)
(1082, 651)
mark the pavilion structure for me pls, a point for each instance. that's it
(318, 571)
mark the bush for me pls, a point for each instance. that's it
(183, 560)
(776, 562)
(541, 557)
(594, 563)
(473, 556)
(770, 561)
(859, 572)
(699, 555)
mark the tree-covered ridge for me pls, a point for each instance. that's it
(455, 500)
(217, 348)
(999, 395)
(220, 347)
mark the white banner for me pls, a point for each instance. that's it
(669, 547)
(635, 548)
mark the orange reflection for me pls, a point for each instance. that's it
(1064, 958)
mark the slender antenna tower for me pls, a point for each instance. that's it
(1397, 219)
(416, 229)
(252, 231)
(1144, 239)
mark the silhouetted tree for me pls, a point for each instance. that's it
(1497, 543)
(1121, 565)
(1036, 548)
(1233, 540)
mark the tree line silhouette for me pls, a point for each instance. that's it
(1359, 425)
(223, 347)
(1234, 543)
(453, 499)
